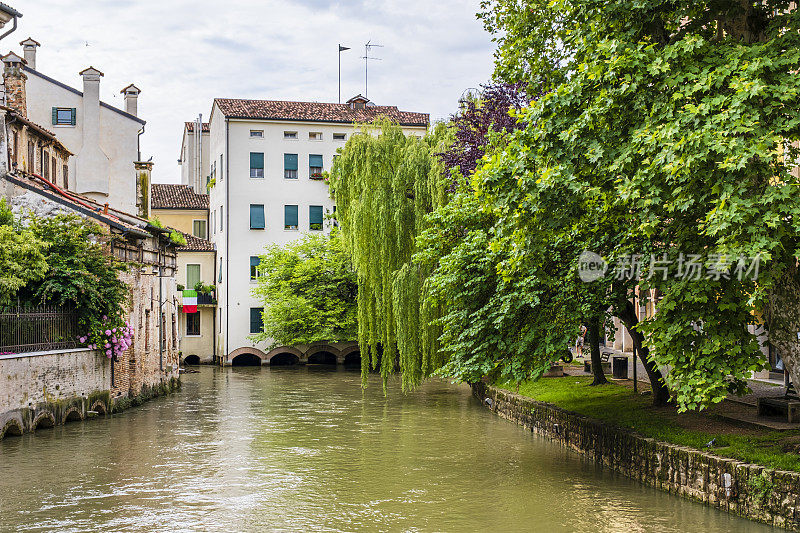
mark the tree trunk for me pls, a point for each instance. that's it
(593, 333)
(783, 321)
(660, 392)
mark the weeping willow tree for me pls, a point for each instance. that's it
(384, 183)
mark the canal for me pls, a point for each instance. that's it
(303, 450)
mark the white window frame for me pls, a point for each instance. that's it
(256, 134)
(290, 136)
(186, 326)
(342, 135)
(199, 275)
(194, 221)
(315, 136)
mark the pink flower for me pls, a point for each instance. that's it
(82, 339)
(108, 332)
(108, 353)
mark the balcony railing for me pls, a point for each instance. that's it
(34, 329)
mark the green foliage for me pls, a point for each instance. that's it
(80, 274)
(156, 222)
(6, 216)
(23, 261)
(309, 290)
(177, 238)
(210, 185)
(384, 185)
(204, 288)
(761, 486)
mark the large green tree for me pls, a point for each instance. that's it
(677, 114)
(308, 288)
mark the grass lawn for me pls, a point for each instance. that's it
(619, 405)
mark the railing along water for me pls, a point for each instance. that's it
(41, 328)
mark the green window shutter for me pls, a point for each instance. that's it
(256, 319)
(74, 115)
(192, 276)
(55, 116)
(315, 160)
(290, 216)
(315, 214)
(257, 160)
(290, 161)
(256, 216)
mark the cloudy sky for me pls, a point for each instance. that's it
(184, 53)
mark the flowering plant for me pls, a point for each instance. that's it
(110, 336)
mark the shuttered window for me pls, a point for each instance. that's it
(290, 217)
(256, 319)
(64, 116)
(290, 166)
(315, 217)
(256, 216)
(192, 276)
(315, 166)
(256, 164)
(254, 262)
(199, 229)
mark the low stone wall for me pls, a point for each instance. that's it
(751, 491)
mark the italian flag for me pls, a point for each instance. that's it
(189, 301)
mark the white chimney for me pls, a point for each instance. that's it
(29, 51)
(92, 174)
(131, 93)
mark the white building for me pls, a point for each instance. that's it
(265, 159)
(104, 139)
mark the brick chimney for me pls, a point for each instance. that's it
(131, 93)
(29, 51)
(14, 78)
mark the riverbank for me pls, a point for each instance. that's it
(766, 495)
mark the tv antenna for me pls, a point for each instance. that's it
(367, 47)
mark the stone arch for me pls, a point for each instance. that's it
(44, 419)
(284, 356)
(191, 360)
(353, 358)
(12, 427)
(73, 414)
(99, 407)
(316, 348)
(246, 354)
(322, 354)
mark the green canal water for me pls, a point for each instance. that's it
(303, 450)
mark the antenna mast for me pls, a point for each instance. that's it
(367, 47)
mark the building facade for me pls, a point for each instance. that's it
(266, 161)
(104, 139)
(179, 207)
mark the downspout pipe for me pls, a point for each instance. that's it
(13, 28)
(139, 143)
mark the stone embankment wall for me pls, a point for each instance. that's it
(751, 491)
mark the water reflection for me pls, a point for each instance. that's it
(254, 449)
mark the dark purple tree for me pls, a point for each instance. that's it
(489, 111)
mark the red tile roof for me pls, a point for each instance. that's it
(168, 196)
(190, 127)
(195, 244)
(316, 112)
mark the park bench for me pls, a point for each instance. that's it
(604, 362)
(771, 406)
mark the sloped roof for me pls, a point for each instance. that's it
(169, 196)
(31, 124)
(315, 112)
(195, 244)
(190, 127)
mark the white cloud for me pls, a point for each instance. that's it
(183, 53)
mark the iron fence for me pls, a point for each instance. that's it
(33, 329)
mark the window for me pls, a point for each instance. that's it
(290, 166)
(64, 116)
(31, 157)
(258, 134)
(256, 319)
(339, 136)
(290, 217)
(45, 165)
(214, 222)
(199, 228)
(315, 136)
(290, 135)
(256, 164)
(65, 170)
(221, 218)
(256, 216)
(315, 217)
(254, 262)
(16, 149)
(192, 276)
(192, 324)
(53, 168)
(220, 271)
(315, 166)
(220, 168)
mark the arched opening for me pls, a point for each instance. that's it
(322, 358)
(12, 428)
(73, 416)
(45, 421)
(99, 408)
(353, 359)
(191, 360)
(246, 359)
(284, 359)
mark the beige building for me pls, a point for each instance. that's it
(179, 207)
